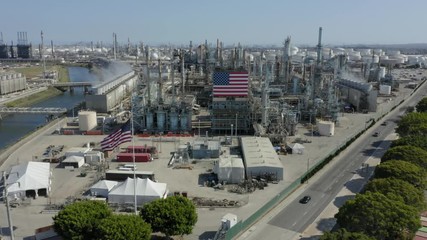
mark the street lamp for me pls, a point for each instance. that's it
(231, 132)
(9, 219)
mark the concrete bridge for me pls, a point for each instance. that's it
(63, 86)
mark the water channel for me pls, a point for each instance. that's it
(16, 126)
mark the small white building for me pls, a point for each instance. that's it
(73, 161)
(94, 157)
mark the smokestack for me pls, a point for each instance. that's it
(159, 91)
(91, 45)
(42, 53)
(319, 47)
(114, 46)
(51, 46)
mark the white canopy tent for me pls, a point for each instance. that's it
(297, 148)
(146, 191)
(31, 178)
(102, 188)
(230, 169)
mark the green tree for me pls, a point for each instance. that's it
(413, 124)
(402, 170)
(80, 219)
(172, 216)
(415, 155)
(399, 190)
(378, 216)
(422, 105)
(411, 140)
(123, 227)
(343, 234)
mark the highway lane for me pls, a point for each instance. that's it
(296, 217)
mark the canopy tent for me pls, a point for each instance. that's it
(73, 161)
(230, 169)
(102, 188)
(146, 191)
(297, 148)
(31, 178)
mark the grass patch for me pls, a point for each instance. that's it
(63, 73)
(35, 98)
(30, 72)
(37, 71)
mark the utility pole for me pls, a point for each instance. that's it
(9, 219)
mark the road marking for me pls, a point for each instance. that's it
(294, 224)
(304, 213)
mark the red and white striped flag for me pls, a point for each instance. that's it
(118, 137)
(230, 84)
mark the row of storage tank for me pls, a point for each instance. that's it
(365, 55)
(12, 82)
(159, 120)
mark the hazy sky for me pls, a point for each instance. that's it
(232, 21)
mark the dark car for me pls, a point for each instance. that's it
(376, 134)
(384, 123)
(305, 199)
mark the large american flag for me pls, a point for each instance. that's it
(230, 84)
(118, 137)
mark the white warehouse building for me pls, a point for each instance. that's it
(260, 158)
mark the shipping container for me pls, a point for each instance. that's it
(141, 149)
(94, 132)
(68, 132)
(139, 157)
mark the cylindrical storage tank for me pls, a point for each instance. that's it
(385, 89)
(382, 72)
(295, 87)
(291, 118)
(412, 59)
(173, 117)
(87, 120)
(326, 128)
(400, 59)
(365, 52)
(184, 121)
(160, 120)
(149, 121)
(294, 50)
(376, 59)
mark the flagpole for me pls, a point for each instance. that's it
(133, 157)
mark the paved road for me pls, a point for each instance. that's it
(295, 217)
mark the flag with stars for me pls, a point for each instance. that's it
(230, 84)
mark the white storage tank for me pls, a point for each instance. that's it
(326, 128)
(385, 89)
(87, 120)
(382, 72)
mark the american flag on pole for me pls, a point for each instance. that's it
(230, 84)
(118, 137)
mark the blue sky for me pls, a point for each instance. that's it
(232, 21)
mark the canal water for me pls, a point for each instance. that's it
(16, 126)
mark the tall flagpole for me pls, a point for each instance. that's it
(133, 156)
